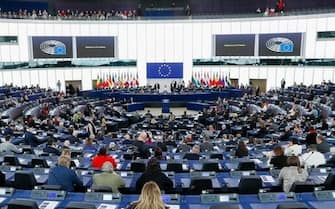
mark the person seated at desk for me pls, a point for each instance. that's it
(62, 175)
(89, 145)
(150, 198)
(142, 148)
(278, 160)
(322, 144)
(184, 147)
(293, 148)
(311, 136)
(51, 147)
(158, 154)
(292, 173)
(312, 158)
(108, 178)
(262, 130)
(7, 146)
(286, 135)
(102, 157)
(31, 139)
(194, 154)
(242, 150)
(153, 173)
(210, 132)
(72, 137)
(206, 146)
(9, 130)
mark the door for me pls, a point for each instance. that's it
(261, 83)
(234, 82)
(73, 87)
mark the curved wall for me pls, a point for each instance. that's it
(169, 41)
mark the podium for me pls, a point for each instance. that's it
(165, 106)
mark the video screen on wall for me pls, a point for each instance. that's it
(95, 47)
(280, 44)
(235, 45)
(51, 47)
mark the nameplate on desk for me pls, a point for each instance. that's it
(203, 174)
(325, 195)
(48, 205)
(242, 173)
(169, 173)
(322, 170)
(6, 191)
(277, 197)
(48, 194)
(126, 174)
(41, 170)
(104, 197)
(171, 198)
(218, 198)
(107, 206)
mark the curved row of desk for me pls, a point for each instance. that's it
(49, 199)
(157, 97)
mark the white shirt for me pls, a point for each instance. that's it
(294, 150)
(313, 158)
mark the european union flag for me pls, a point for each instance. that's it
(286, 47)
(60, 50)
(164, 70)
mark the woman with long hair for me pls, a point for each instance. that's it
(242, 150)
(150, 198)
(292, 173)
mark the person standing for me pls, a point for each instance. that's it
(280, 5)
(282, 83)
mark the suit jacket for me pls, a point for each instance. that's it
(65, 177)
(52, 150)
(143, 149)
(160, 178)
(279, 162)
(31, 139)
(108, 179)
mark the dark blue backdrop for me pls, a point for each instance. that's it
(164, 70)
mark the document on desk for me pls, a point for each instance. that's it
(107, 206)
(267, 179)
(48, 205)
(2, 199)
(173, 206)
(257, 161)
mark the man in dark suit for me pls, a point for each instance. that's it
(154, 173)
(31, 139)
(142, 148)
(50, 148)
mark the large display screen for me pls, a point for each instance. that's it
(235, 45)
(280, 44)
(95, 47)
(52, 47)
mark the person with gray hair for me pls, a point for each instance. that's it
(62, 175)
(108, 178)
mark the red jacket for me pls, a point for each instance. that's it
(99, 160)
